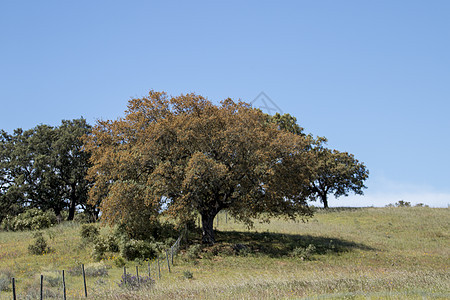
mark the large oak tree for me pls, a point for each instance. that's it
(184, 155)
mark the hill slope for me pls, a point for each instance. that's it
(348, 253)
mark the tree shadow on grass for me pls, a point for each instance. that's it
(279, 244)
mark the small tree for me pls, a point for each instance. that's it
(185, 155)
(337, 173)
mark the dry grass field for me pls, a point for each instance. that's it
(364, 253)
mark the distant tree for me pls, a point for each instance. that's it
(71, 163)
(286, 122)
(184, 155)
(337, 173)
(44, 167)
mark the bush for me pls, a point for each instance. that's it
(402, 203)
(241, 250)
(92, 270)
(132, 282)
(193, 252)
(133, 249)
(188, 275)
(304, 253)
(112, 243)
(96, 270)
(39, 246)
(32, 219)
(89, 233)
(119, 262)
(33, 292)
(82, 218)
(100, 247)
(5, 280)
(52, 279)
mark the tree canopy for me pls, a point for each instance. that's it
(184, 155)
(44, 167)
(336, 173)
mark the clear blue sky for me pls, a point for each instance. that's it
(371, 76)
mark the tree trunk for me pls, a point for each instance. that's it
(71, 210)
(207, 227)
(72, 204)
(324, 200)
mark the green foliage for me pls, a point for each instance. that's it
(89, 233)
(119, 262)
(96, 270)
(304, 253)
(112, 243)
(193, 252)
(336, 173)
(32, 219)
(5, 280)
(44, 167)
(188, 275)
(99, 249)
(402, 203)
(82, 217)
(138, 249)
(286, 122)
(39, 246)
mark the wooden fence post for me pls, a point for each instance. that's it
(84, 280)
(149, 273)
(125, 275)
(159, 270)
(137, 275)
(14, 287)
(167, 257)
(42, 287)
(64, 285)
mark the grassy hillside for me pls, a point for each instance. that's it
(394, 253)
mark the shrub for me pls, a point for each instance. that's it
(32, 219)
(112, 243)
(92, 270)
(304, 253)
(89, 233)
(188, 275)
(39, 246)
(33, 292)
(96, 270)
(82, 218)
(5, 280)
(100, 247)
(7, 223)
(241, 250)
(119, 262)
(53, 279)
(402, 203)
(133, 249)
(193, 252)
(132, 282)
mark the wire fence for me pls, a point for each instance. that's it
(154, 270)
